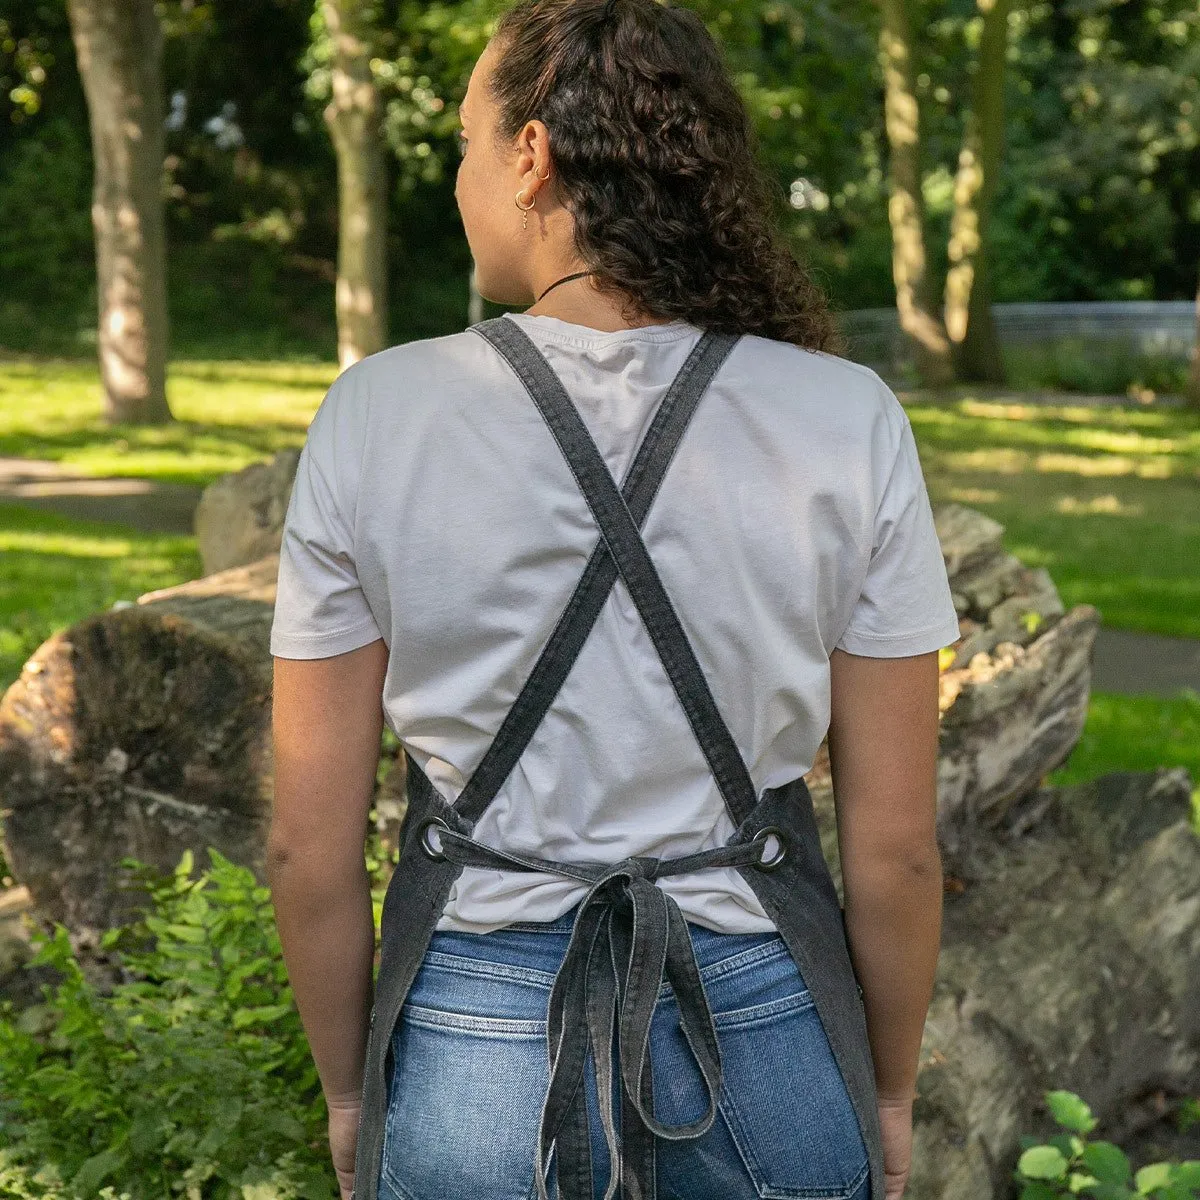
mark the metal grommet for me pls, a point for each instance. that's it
(427, 847)
(768, 831)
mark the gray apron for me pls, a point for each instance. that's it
(628, 935)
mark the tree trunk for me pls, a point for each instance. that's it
(1193, 391)
(353, 116)
(968, 302)
(118, 44)
(906, 208)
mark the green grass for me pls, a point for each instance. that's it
(228, 414)
(1107, 499)
(56, 571)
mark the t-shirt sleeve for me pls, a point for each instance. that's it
(320, 607)
(905, 606)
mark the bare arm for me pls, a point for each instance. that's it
(883, 754)
(327, 721)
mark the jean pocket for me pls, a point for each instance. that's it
(463, 1101)
(786, 1104)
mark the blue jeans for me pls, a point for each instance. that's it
(470, 1071)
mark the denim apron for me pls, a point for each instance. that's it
(629, 935)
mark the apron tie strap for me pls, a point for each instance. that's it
(628, 937)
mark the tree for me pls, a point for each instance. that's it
(354, 116)
(906, 209)
(118, 45)
(968, 299)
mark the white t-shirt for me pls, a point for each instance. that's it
(433, 508)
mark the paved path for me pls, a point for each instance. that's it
(146, 504)
(1122, 661)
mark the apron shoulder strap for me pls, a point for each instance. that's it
(619, 514)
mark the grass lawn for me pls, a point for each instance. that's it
(1107, 499)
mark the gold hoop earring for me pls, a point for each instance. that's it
(546, 176)
(525, 208)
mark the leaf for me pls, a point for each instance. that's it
(1043, 1162)
(1107, 1162)
(1188, 1173)
(1152, 1177)
(1070, 1111)
(87, 1178)
(1037, 1190)
(192, 934)
(259, 1016)
(282, 1122)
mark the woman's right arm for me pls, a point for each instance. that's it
(883, 737)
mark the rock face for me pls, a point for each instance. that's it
(1014, 697)
(240, 517)
(1072, 960)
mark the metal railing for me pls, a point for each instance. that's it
(1165, 328)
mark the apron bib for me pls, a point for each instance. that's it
(629, 935)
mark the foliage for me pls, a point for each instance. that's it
(1068, 1164)
(192, 1077)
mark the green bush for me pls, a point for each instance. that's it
(1092, 365)
(192, 1077)
(1069, 1165)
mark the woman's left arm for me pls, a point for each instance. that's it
(327, 719)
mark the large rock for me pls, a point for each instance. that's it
(240, 517)
(1069, 959)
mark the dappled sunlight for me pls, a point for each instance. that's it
(1108, 504)
(974, 495)
(1008, 460)
(65, 544)
(228, 415)
(1016, 411)
(995, 460)
(1090, 466)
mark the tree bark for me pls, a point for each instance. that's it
(118, 44)
(906, 208)
(968, 301)
(353, 117)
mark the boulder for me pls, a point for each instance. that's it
(240, 517)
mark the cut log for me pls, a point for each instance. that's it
(146, 731)
(142, 731)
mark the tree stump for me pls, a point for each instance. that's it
(143, 731)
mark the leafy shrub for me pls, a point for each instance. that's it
(1095, 365)
(1069, 1165)
(193, 1077)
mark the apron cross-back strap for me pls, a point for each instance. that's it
(621, 538)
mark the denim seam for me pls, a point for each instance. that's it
(740, 1018)
(462, 964)
(432, 1018)
(743, 959)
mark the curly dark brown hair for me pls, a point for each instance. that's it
(657, 159)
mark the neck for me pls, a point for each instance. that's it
(579, 302)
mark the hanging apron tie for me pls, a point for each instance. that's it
(628, 937)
